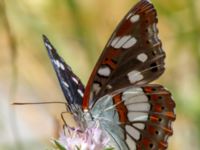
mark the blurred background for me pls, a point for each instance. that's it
(79, 30)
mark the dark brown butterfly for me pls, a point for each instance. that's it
(134, 113)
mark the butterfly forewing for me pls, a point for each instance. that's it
(132, 56)
(71, 85)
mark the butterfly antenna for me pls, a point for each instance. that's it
(62, 113)
(38, 103)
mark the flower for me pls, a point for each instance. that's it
(93, 138)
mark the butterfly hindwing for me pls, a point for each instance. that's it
(71, 85)
(132, 56)
(144, 117)
(149, 117)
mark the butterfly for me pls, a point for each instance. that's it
(134, 113)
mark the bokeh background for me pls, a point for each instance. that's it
(79, 30)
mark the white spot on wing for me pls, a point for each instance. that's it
(140, 126)
(152, 30)
(154, 27)
(142, 57)
(48, 46)
(59, 64)
(137, 116)
(131, 143)
(129, 15)
(137, 98)
(130, 43)
(96, 88)
(75, 80)
(134, 76)
(135, 18)
(133, 132)
(134, 95)
(126, 41)
(114, 41)
(138, 107)
(62, 66)
(104, 71)
(80, 92)
(122, 41)
(109, 86)
(133, 90)
(65, 84)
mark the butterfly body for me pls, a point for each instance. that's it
(135, 115)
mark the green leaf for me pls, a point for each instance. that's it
(78, 148)
(110, 148)
(59, 146)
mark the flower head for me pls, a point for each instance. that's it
(92, 138)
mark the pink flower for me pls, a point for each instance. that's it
(92, 138)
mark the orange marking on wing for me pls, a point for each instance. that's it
(110, 63)
(109, 58)
(151, 129)
(168, 131)
(154, 97)
(124, 27)
(170, 115)
(148, 90)
(112, 53)
(144, 143)
(153, 118)
(157, 108)
(121, 108)
(162, 145)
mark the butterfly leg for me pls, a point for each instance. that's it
(65, 125)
